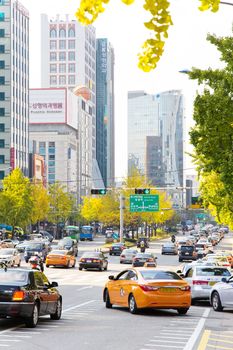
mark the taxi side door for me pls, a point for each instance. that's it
(126, 287)
(116, 287)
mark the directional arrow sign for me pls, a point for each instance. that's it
(144, 203)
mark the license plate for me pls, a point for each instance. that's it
(186, 253)
(88, 261)
(168, 290)
(212, 283)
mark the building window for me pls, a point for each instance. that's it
(2, 127)
(62, 68)
(42, 149)
(2, 33)
(52, 157)
(2, 64)
(62, 80)
(2, 96)
(53, 80)
(62, 44)
(2, 16)
(53, 56)
(2, 2)
(71, 33)
(51, 170)
(62, 56)
(53, 68)
(71, 44)
(2, 143)
(71, 67)
(62, 33)
(83, 105)
(2, 175)
(71, 56)
(71, 79)
(53, 33)
(2, 159)
(2, 48)
(51, 163)
(2, 112)
(2, 80)
(53, 45)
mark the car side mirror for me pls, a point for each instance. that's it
(224, 280)
(111, 277)
(53, 284)
(155, 257)
(179, 271)
(181, 275)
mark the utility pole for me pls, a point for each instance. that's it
(122, 207)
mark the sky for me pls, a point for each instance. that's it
(185, 48)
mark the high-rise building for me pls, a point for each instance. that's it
(14, 87)
(68, 58)
(105, 150)
(142, 122)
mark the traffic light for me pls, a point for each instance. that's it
(142, 190)
(98, 191)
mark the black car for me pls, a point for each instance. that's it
(93, 260)
(69, 244)
(116, 248)
(28, 294)
(36, 248)
(187, 252)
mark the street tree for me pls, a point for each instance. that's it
(91, 208)
(16, 199)
(158, 25)
(61, 204)
(212, 135)
(40, 198)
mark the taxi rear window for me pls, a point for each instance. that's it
(206, 271)
(159, 275)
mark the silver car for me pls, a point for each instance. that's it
(202, 278)
(221, 295)
(127, 256)
(10, 257)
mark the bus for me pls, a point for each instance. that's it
(87, 233)
(73, 232)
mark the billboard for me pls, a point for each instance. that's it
(48, 106)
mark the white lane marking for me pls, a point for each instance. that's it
(15, 336)
(28, 332)
(197, 331)
(3, 345)
(13, 340)
(83, 288)
(42, 329)
(173, 337)
(77, 306)
(164, 346)
(167, 341)
(9, 329)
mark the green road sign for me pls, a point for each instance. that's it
(144, 203)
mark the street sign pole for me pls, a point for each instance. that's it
(121, 216)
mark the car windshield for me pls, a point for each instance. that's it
(91, 255)
(58, 252)
(168, 245)
(67, 242)
(187, 249)
(33, 246)
(159, 275)
(144, 256)
(13, 277)
(129, 251)
(212, 271)
(6, 251)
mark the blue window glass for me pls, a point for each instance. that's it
(51, 150)
(2, 33)
(2, 174)
(51, 163)
(2, 48)
(51, 177)
(2, 159)
(51, 157)
(2, 16)
(2, 112)
(2, 80)
(2, 96)
(51, 170)
(2, 64)
(2, 143)
(2, 2)
(2, 127)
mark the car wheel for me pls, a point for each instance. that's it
(132, 304)
(180, 260)
(216, 302)
(74, 264)
(26, 260)
(47, 265)
(101, 268)
(80, 268)
(107, 300)
(19, 263)
(57, 314)
(31, 322)
(182, 311)
(106, 267)
(110, 253)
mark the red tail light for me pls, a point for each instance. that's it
(200, 283)
(227, 265)
(18, 295)
(96, 260)
(122, 256)
(147, 288)
(150, 259)
(185, 288)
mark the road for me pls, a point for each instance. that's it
(86, 324)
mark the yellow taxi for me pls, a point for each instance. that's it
(139, 288)
(63, 258)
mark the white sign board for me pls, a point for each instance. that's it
(47, 106)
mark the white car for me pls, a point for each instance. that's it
(10, 257)
(202, 278)
(221, 295)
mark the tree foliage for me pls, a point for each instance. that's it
(40, 199)
(212, 135)
(158, 25)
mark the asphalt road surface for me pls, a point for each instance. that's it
(87, 325)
